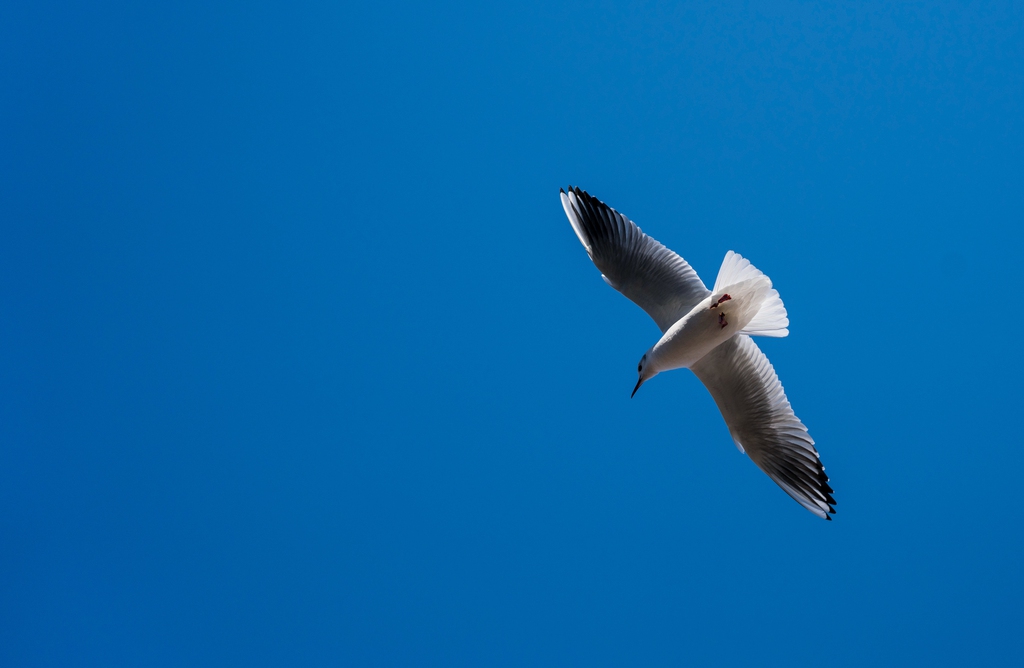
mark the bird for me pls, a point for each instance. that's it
(709, 332)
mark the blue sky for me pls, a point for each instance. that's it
(302, 363)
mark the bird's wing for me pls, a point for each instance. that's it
(653, 277)
(761, 421)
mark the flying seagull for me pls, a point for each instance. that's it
(708, 332)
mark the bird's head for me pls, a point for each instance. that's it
(645, 370)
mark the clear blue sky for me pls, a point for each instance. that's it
(302, 363)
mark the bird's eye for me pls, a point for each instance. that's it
(639, 367)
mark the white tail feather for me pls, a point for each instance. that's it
(771, 319)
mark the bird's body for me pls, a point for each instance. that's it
(708, 332)
(713, 321)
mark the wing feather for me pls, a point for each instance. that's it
(761, 421)
(649, 274)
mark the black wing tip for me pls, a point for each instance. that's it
(811, 487)
(589, 206)
(827, 489)
(831, 502)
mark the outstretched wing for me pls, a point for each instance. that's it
(761, 421)
(650, 275)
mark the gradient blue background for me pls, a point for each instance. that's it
(302, 364)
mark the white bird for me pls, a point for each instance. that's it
(709, 333)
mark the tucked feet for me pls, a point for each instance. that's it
(724, 298)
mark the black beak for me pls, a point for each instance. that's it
(638, 384)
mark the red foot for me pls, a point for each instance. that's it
(724, 298)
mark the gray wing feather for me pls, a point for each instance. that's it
(650, 275)
(761, 421)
